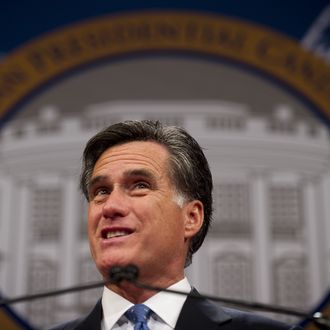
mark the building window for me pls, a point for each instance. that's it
(88, 273)
(92, 121)
(226, 122)
(231, 209)
(46, 213)
(290, 283)
(233, 276)
(42, 276)
(285, 210)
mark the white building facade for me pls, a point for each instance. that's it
(268, 241)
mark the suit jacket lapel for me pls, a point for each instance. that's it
(200, 313)
(93, 319)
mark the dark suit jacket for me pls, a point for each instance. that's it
(196, 314)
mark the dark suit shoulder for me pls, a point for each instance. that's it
(67, 325)
(89, 322)
(255, 321)
(199, 313)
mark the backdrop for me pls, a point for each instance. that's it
(250, 80)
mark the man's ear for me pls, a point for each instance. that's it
(194, 218)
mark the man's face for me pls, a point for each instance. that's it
(133, 215)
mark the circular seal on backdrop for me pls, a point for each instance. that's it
(67, 51)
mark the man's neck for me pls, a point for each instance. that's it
(138, 295)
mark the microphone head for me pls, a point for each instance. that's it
(119, 273)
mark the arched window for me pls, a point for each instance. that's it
(233, 276)
(290, 282)
(42, 276)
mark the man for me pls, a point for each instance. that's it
(149, 190)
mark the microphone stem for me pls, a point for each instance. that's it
(46, 294)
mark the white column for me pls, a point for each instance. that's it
(7, 220)
(325, 190)
(262, 239)
(19, 242)
(68, 256)
(312, 223)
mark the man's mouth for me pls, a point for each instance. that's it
(108, 233)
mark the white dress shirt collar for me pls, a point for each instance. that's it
(167, 306)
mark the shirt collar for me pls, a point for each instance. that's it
(166, 305)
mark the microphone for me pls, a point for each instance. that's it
(131, 272)
(118, 273)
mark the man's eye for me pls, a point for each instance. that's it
(101, 191)
(141, 185)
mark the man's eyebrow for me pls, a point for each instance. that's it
(128, 173)
(140, 172)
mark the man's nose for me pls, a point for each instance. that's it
(116, 204)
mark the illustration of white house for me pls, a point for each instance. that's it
(268, 241)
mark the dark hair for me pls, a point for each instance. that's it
(189, 169)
